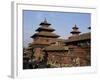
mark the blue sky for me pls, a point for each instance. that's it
(62, 22)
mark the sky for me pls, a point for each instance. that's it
(62, 22)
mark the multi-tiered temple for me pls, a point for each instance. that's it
(44, 35)
(48, 51)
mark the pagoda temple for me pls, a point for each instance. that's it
(80, 47)
(49, 51)
(75, 31)
(44, 35)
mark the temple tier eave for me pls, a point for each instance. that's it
(52, 35)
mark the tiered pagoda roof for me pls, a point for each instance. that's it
(75, 30)
(89, 27)
(81, 37)
(45, 34)
(45, 30)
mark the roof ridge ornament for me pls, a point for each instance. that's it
(89, 27)
(75, 27)
(45, 20)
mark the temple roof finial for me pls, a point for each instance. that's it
(75, 27)
(45, 20)
(89, 27)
